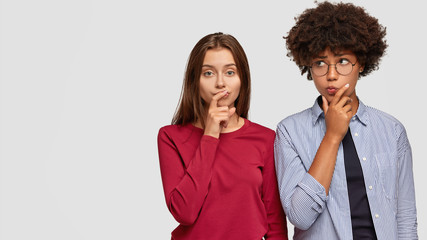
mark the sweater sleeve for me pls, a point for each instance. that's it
(186, 187)
(276, 218)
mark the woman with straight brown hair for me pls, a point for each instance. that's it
(217, 166)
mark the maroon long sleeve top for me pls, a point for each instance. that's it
(222, 188)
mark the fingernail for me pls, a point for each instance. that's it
(347, 85)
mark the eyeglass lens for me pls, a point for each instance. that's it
(342, 69)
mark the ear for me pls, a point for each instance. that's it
(362, 67)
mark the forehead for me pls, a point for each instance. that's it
(218, 55)
(328, 53)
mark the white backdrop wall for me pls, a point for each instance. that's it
(85, 86)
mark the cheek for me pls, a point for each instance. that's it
(237, 86)
(238, 89)
(319, 86)
(352, 80)
(351, 91)
(203, 91)
(205, 97)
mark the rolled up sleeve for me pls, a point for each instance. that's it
(406, 212)
(303, 198)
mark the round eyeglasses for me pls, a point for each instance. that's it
(320, 68)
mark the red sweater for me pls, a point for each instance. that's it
(222, 188)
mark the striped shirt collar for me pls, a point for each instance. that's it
(317, 112)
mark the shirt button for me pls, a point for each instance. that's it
(377, 216)
(356, 134)
(370, 187)
(364, 159)
(354, 118)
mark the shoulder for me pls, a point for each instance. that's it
(259, 128)
(175, 132)
(255, 128)
(381, 115)
(168, 129)
(387, 129)
(259, 137)
(380, 118)
(298, 120)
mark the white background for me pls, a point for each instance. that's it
(86, 84)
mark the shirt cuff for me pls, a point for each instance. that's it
(315, 190)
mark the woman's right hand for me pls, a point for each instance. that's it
(218, 116)
(338, 114)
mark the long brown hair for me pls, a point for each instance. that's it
(191, 108)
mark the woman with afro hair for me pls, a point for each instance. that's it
(344, 169)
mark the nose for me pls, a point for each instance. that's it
(332, 74)
(220, 81)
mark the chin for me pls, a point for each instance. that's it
(329, 98)
(224, 102)
(223, 105)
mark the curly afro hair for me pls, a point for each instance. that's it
(341, 26)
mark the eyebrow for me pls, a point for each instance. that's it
(335, 55)
(227, 65)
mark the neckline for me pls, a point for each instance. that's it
(237, 132)
(360, 113)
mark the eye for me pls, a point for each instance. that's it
(319, 64)
(344, 61)
(230, 73)
(208, 73)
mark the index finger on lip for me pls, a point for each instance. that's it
(339, 94)
(218, 96)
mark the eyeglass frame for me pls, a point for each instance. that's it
(352, 66)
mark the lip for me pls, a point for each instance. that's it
(332, 90)
(226, 95)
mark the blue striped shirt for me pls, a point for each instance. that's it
(386, 160)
